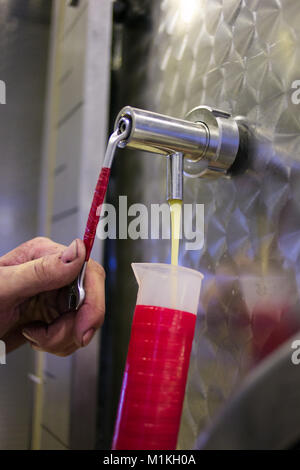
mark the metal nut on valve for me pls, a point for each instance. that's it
(222, 147)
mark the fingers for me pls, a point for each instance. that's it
(30, 250)
(91, 315)
(74, 329)
(51, 271)
(57, 338)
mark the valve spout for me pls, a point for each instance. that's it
(175, 176)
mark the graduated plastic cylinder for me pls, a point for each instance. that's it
(158, 357)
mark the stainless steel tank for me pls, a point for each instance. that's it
(242, 57)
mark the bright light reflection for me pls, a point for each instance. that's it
(187, 10)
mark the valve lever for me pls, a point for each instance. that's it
(76, 292)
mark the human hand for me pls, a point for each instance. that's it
(33, 301)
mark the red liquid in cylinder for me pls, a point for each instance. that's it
(154, 379)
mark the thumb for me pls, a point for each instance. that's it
(46, 273)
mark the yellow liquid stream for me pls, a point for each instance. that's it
(175, 209)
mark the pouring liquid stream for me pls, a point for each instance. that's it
(175, 210)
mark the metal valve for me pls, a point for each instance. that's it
(204, 144)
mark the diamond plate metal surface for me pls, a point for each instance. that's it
(241, 56)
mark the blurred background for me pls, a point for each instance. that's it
(69, 66)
